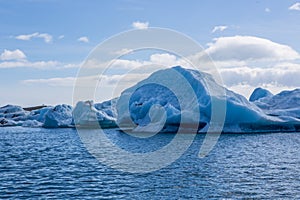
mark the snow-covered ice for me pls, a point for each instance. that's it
(285, 105)
(259, 93)
(88, 114)
(59, 116)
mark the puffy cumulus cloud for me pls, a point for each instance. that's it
(282, 74)
(295, 6)
(140, 25)
(247, 62)
(126, 64)
(219, 28)
(244, 79)
(83, 39)
(47, 37)
(249, 48)
(164, 59)
(12, 55)
(17, 59)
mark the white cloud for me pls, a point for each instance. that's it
(47, 37)
(164, 59)
(219, 28)
(240, 76)
(66, 81)
(281, 74)
(12, 55)
(17, 59)
(249, 48)
(61, 37)
(27, 37)
(249, 62)
(244, 79)
(117, 64)
(236, 58)
(122, 51)
(38, 64)
(267, 10)
(295, 6)
(83, 39)
(140, 25)
(89, 81)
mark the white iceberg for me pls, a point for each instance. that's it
(39, 114)
(8, 122)
(59, 116)
(13, 112)
(259, 93)
(285, 105)
(12, 115)
(32, 123)
(89, 115)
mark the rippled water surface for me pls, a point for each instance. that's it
(45, 163)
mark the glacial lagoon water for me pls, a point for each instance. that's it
(53, 163)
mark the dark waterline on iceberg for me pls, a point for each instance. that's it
(53, 163)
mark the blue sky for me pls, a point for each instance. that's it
(47, 40)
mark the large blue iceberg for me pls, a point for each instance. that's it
(154, 104)
(240, 115)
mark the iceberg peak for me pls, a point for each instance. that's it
(259, 93)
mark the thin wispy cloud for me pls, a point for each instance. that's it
(83, 39)
(61, 37)
(140, 25)
(295, 6)
(12, 55)
(267, 10)
(219, 28)
(28, 64)
(42, 65)
(89, 81)
(122, 51)
(66, 81)
(45, 36)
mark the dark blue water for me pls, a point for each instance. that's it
(53, 163)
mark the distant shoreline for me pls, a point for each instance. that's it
(34, 107)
